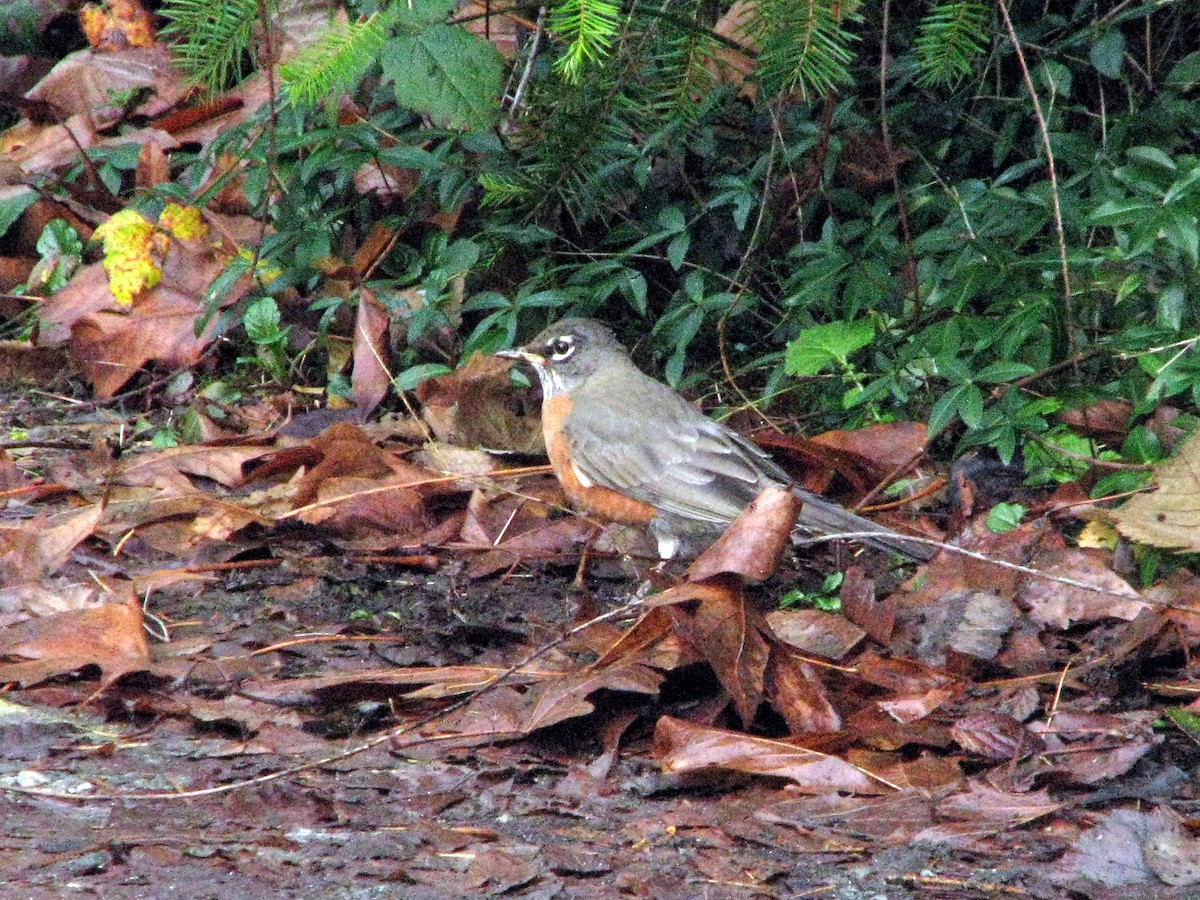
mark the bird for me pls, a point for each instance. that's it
(628, 448)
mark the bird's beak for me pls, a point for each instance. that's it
(534, 359)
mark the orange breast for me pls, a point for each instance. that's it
(603, 502)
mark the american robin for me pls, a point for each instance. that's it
(629, 449)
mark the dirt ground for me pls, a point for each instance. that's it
(560, 815)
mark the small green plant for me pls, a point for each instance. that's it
(60, 251)
(262, 322)
(827, 598)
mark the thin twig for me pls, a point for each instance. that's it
(1044, 131)
(511, 119)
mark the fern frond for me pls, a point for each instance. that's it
(336, 60)
(500, 192)
(212, 38)
(588, 27)
(951, 36)
(804, 45)
(680, 80)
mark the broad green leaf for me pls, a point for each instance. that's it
(415, 14)
(677, 249)
(1186, 73)
(261, 321)
(970, 406)
(1004, 517)
(445, 72)
(410, 378)
(818, 347)
(1121, 212)
(1108, 53)
(1172, 305)
(18, 199)
(944, 410)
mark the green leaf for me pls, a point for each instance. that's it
(677, 249)
(13, 205)
(59, 239)
(1005, 517)
(1142, 446)
(411, 377)
(1108, 53)
(1185, 75)
(818, 347)
(1119, 483)
(445, 72)
(1187, 721)
(261, 321)
(1172, 305)
(415, 14)
(945, 409)
(970, 406)
(1152, 155)
(1004, 371)
(1121, 212)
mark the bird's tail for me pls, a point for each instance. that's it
(821, 516)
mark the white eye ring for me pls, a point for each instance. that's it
(561, 347)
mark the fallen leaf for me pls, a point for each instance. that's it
(1168, 517)
(680, 746)
(110, 636)
(754, 544)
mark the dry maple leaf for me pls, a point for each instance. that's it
(1170, 516)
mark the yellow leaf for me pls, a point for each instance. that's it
(1098, 535)
(130, 250)
(182, 222)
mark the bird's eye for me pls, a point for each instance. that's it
(562, 347)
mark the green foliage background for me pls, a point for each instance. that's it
(866, 228)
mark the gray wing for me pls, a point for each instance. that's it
(697, 469)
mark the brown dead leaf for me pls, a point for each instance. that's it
(980, 810)
(22, 361)
(1062, 605)
(877, 617)
(153, 166)
(734, 60)
(223, 463)
(970, 622)
(40, 546)
(111, 343)
(369, 378)
(1107, 421)
(110, 636)
(41, 149)
(567, 696)
(680, 746)
(878, 449)
(361, 490)
(477, 406)
(753, 545)
(726, 630)
(1088, 748)
(797, 693)
(85, 83)
(1129, 847)
(917, 689)
(815, 632)
(994, 736)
